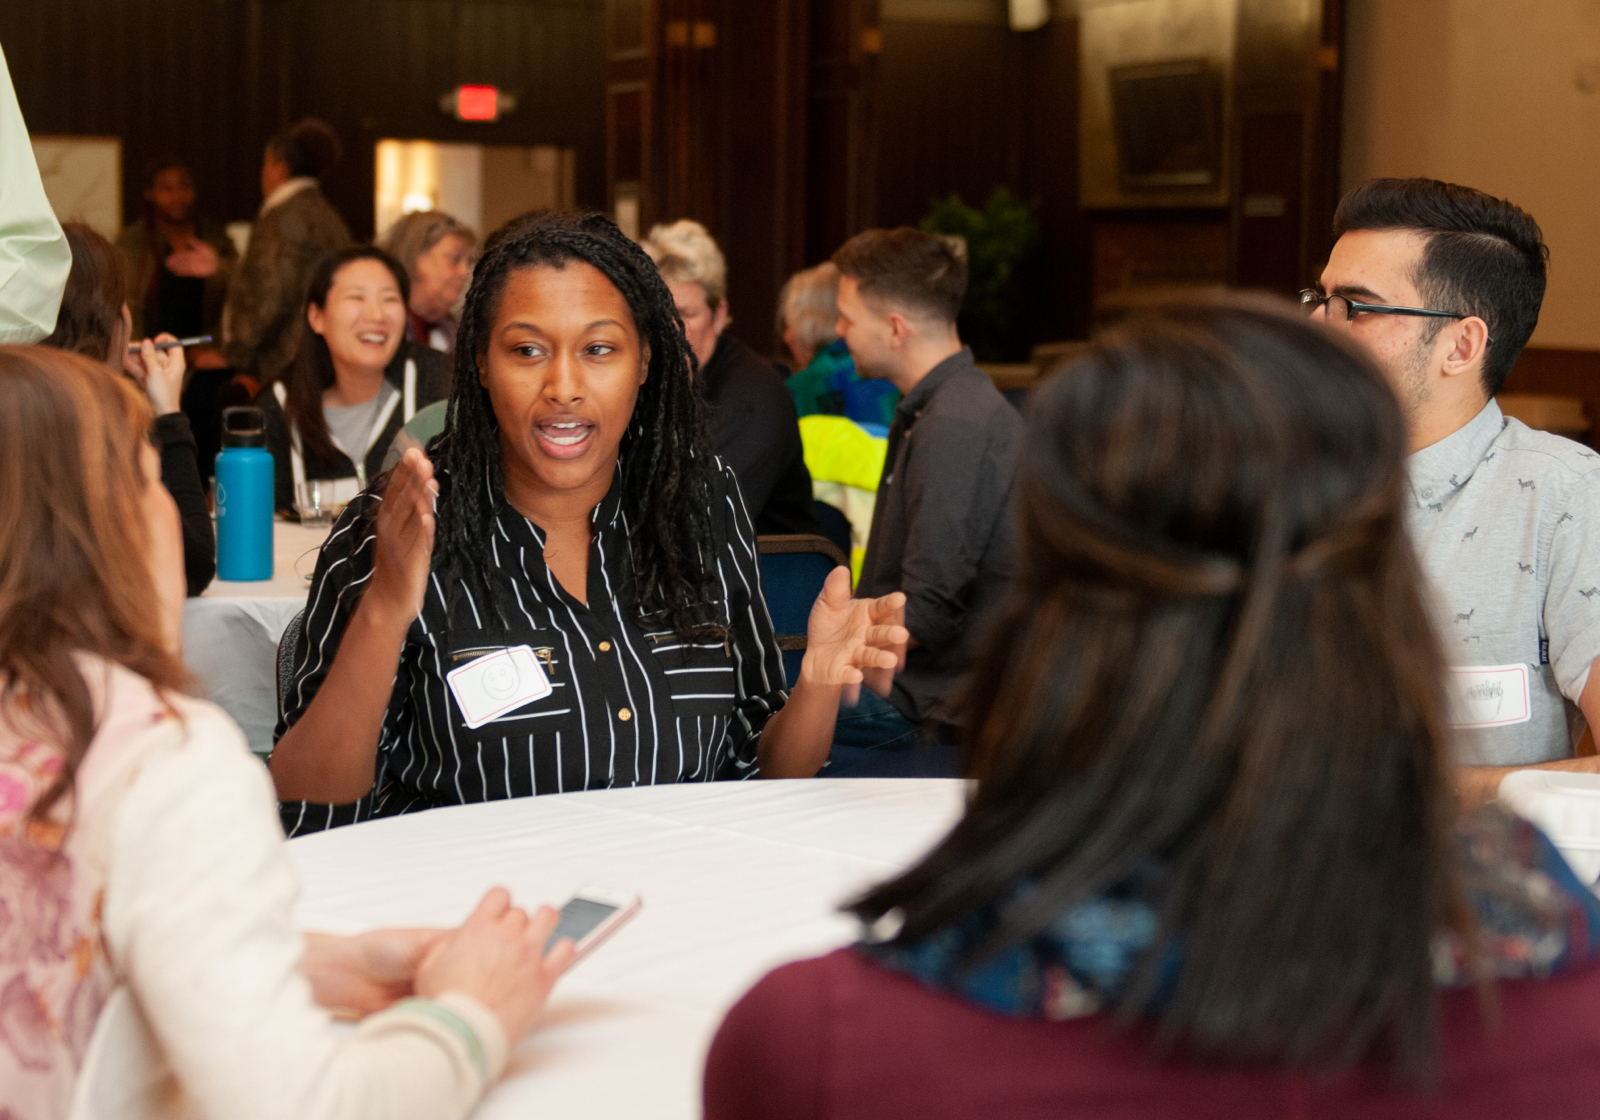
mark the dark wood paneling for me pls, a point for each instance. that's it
(1270, 212)
(627, 132)
(212, 80)
(966, 108)
(688, 118)
(1058, 287)
(1322, 182)
(1568, 373)
(954, 115)
(843, 123)
(760, 213)
(1163, 250)
(716, 131)
(1286, 122)
(105, 67)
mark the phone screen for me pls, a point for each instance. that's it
(579, 918)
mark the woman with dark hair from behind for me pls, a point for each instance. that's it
(94, 321)
(296, 229)
(1211, 865)
(355, 381)
(178, 263)
(581, 607)
(150, 965)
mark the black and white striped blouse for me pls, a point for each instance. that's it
(628, 706)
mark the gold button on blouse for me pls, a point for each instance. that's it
(605, 647)
(624, 715)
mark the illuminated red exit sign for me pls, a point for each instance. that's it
(477, 103)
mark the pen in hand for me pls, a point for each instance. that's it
(197, 340)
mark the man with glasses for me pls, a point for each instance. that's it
(1442, 285)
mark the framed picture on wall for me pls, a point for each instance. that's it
(1167, 121)
(82, 178)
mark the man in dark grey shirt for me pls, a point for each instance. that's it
(941, 527)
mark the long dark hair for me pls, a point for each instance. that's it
(72, 543)
(311, 370)
(667, 480)
(1217, 657)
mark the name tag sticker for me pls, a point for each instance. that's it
(1490, 695)
(498, 683)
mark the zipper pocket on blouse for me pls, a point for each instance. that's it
(546, 654)
(668, 635)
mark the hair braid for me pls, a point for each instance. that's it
(667, 466)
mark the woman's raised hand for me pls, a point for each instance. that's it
(850, 641)
(498, 958)
(405, 539)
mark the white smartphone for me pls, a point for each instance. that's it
(592, 915)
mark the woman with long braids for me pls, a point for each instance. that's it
(568, 596)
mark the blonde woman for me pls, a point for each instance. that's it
(753, 423)
(436, 251)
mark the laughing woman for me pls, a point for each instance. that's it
(354, 381)
(582, 607)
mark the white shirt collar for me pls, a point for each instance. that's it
(286, 191)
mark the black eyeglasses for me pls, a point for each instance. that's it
(1312, 301)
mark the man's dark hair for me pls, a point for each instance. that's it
(913, 270)
(1484, 257)
(310, 147)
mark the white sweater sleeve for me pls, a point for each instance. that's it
(34, 255)
(197, 923)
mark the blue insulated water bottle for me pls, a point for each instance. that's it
(244, 497)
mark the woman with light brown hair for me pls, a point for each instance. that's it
(144, 888)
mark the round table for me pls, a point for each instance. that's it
(736, 877)
(231, 632)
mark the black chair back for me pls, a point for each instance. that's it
(835, 525)
(793, 569)
(286, 644)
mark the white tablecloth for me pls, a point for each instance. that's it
(231, 632)
(737, 877)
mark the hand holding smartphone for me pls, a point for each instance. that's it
(591, 916)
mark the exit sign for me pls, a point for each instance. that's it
(477, 103)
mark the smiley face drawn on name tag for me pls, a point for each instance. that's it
(500, 679)
(497, 683)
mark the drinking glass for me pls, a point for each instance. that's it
(313, 501)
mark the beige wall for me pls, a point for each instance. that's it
(1503, 95)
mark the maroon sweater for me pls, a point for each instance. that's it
(839, 1038)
